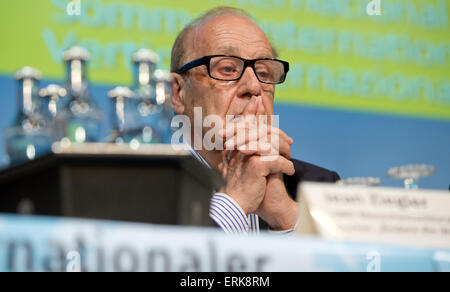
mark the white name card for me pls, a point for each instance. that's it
(375, 214)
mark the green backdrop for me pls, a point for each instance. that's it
(341, 57)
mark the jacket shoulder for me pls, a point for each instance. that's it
(305, 171)
(310, 172)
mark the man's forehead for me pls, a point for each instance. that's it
(228, 49)
(231, 35)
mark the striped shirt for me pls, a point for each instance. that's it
(227, 213)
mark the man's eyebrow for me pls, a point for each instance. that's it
(228, 50)
(231, 50)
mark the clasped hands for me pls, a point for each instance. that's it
(253, 166)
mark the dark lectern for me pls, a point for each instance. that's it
(150, 183)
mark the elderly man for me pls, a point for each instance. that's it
(224, 64)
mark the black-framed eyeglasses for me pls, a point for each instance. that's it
(231, 68)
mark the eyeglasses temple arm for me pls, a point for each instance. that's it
(192, 64)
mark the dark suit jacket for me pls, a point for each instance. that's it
(307, 172)
(304, 172)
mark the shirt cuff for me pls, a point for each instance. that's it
(284, 232)
(228, 214)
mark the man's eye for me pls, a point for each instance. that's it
(263, 73)
(227, 69)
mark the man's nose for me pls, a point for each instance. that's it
(249, 84)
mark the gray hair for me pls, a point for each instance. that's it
(178, 57)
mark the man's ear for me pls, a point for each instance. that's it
(178, 96)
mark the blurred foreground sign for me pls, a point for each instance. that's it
(63, 244)
(375, 214)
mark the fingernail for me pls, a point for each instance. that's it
(254, 104)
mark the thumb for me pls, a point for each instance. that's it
(251, 107)
(260, 110)
(250, 111)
